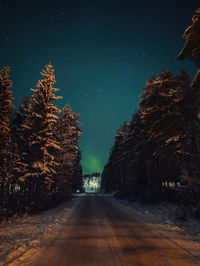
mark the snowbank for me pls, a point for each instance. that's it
(22, 239)
(164, 219)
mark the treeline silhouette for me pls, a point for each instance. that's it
(39, 152)
(96, 174)
(157, 154)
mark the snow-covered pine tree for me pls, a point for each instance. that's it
(170, 121)
(126, 170)
(190, 154)
(21, 132)
(18, 198)
(156, 119)
(67, 133)
(119, 157)
(42, 145)
(113, 176)
(159, 144)
(137, 170)
(191, 48)
(6, 106)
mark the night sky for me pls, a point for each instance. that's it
(103, 53)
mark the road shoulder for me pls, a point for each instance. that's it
(23, 239)
(163, 225)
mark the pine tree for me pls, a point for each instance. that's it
(156, 118)
(169, 115)
(191, 48)
(78, 175)
(6, 106)
(21, 132)
(137, 170)
(159, 145)
(42, 145)
(67, 134)
(113, 176)
(126, 170)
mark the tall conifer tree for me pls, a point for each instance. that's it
(67, 133)
(6, 105)
(42, 144)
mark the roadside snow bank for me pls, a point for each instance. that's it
(22, 239)
(164, 219)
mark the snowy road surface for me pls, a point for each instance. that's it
(102, 232)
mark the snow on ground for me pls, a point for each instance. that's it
(163, 218)
(22, 239)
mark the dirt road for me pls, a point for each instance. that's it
(101, 232)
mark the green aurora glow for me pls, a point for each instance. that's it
(91, 163)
